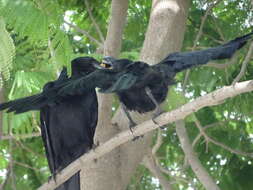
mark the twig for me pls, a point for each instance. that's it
(210, 99)
(209, 139)
(150, 163)
(244, 64)
(12, 174)
(19, 143)
(177, 178)
(102, 39)
(84, 33)
(204, 128)
(6, 178)
(159, 141)
(198, 36)
(25, 165)
(218, 29)
(22, 136)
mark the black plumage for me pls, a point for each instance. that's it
(142, 87)
(158, 77)
(68, 123)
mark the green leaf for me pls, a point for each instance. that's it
(7, 52)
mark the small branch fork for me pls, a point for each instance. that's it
(153, 164)
(209, 139)
(210, 99)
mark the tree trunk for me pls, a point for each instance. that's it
(164, 35)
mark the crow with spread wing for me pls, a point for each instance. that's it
(68, 123)
(142, 87)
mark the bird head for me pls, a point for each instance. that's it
(111, 64)
(83, 65)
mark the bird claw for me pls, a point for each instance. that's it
(131, 126)
(156, 114)
(137, 137)
(95, 145)
(53, 176)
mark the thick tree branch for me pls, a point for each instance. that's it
(115, 28)
(105, 173)
(193, 160)
(210, 99)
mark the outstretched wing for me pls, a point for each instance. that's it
(34, 102)
(180, 61)
(23, 104)
(124, 82)
(78, 86)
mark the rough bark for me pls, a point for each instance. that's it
(104, 173)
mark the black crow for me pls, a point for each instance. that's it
(68, 123)
(142, 87)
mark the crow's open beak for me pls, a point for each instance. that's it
(106, 64)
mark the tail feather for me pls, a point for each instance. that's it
(183, 60)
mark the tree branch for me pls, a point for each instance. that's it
(194, 162)
(209, 139)
(6, 178)
(159, 141)
(107, 168)
(19, 143)
(22, 136)
(100, 34)
(198, 36)
(214, 98)
(83, 32)
(150, 163)
(25, 165)
(244, 64)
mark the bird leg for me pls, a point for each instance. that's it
(158, 109)
(132, 124)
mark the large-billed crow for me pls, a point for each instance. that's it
(68, 123)
(142, 87)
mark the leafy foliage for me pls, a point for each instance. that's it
(7, 52)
